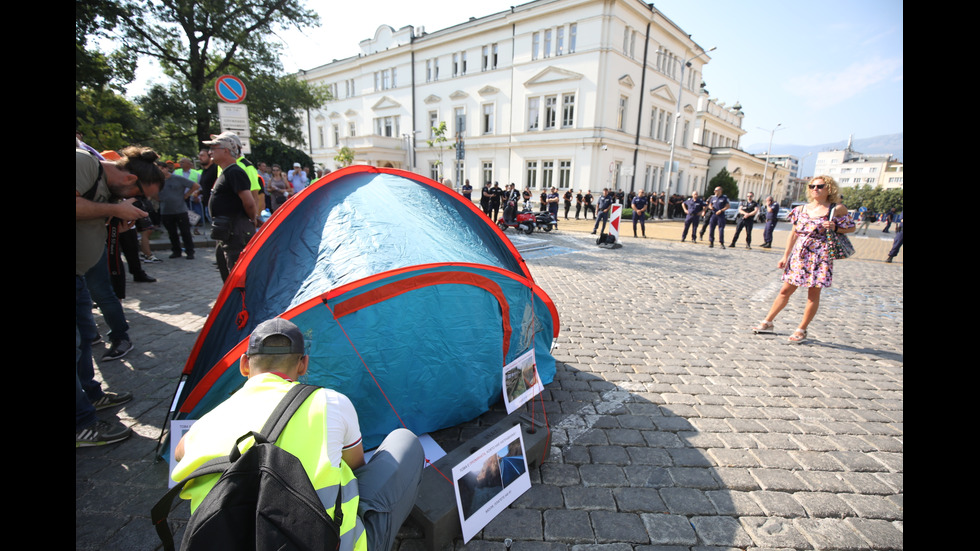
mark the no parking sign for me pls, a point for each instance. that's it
(230, 89)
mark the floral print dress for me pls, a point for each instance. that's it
(810, 264)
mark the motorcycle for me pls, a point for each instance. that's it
(544, 220)
(523, 222)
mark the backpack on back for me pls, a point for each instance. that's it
(263, 500)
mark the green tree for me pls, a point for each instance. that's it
(278, 153)
(439, 140)
(345, 157)
(729, 186)
(196, 41)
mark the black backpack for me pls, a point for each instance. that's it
(264, 499)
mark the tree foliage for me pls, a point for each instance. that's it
(195, 42)
(876, 199)
(729, 186)
(345, 157)
(275, 152)
(440, 141)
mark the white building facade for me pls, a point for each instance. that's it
(575, 94)
(852, 169)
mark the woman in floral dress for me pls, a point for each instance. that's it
(807, 261)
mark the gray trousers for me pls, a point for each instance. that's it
(388, 486)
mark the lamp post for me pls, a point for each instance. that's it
(677, 117)
(765, 169)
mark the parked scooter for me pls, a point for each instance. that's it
(523, 222)
(544, 221)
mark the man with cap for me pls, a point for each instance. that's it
(297, 177)
(234, 213)
(324, 435)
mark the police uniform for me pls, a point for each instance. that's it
(640, 202)
(718, 204)
(746, 222)
(694, 208)
(771, 219)
(602, 212)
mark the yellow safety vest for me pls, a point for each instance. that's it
(304, 437)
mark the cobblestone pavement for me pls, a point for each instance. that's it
(673, 426)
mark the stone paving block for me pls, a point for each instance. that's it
(648, 476)
(774, 533)
(518, 524)
(612, 527)
(643, 455)
(541, 496)
(825, 481)
(686, 501)
(776, 459)
(876, 507)
(828, 533)
(639, 500)
(736, 479)
(560, 475)
(669, 529)
(610, 455)
(721, 531)
(658, 439)
(816, 461)
(779, 480)
(602, 475)
(734, 503)
(867, 483)
(879, 533)
(780, 504)
(589, 498)
(819, 504)
(568, 526)
(701, 478)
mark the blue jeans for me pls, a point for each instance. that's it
(100, 287)
(87, 389)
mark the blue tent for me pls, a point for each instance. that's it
(410, 299)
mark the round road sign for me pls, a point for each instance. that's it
(230, 89)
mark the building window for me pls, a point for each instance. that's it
(564, 174)
(621, 114)
(489, 57)
(460, 165)
(386, 126)
(488, 118)
(547, 43)
(459, 116)
(434, 170)
(547, 174)
(626, 41)
(535, 45)
(486, 59)
(533, 108)
(687, 130)
(428, 70)
(433, 123)
(336, 135)
(352, 129)
(462, 62)
(532, 175)
(488, 172)
(319, 135)
(633, 45)
(568, 110)
(572, 29)
(494, 52)
(550, 111)
(456, 65)
(560, 41)
(435, 69)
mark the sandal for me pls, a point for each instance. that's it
(798, 336)
(764, 327)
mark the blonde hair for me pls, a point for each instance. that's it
(833, 191)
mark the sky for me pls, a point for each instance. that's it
(817, 71)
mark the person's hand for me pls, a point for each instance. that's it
(126, 210)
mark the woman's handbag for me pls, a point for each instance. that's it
(840, 244)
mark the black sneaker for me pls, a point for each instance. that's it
(117, 350)
(175, 255)
(102, 433)
(142, 277)
(111, 400)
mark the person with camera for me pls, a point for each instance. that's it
(233, 209)
(103, 190)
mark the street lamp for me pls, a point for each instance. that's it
(677, 116)
(765, 169)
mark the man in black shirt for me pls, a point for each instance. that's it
(233, 209)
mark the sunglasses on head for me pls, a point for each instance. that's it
(816, 186)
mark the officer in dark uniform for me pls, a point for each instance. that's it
(552, 200)
(495, 194)
(640, 204)
(604, 206)
(747, 212)
(511, 197)
(467, 190)
(772, 213)
(567, 198)
(578, 204)
(717, 204)
(485, 198)
(692, 211)
(588, 204)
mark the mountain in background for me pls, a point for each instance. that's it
(890, 143)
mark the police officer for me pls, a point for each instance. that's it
(511, 197)
(578, 204)
(552, 201)
(604, 206)
(587, 199)
(495, 195)
(772, 213)
(692, 213)
(747, 212)
(485, 198)
(640, 204)
(717, 205)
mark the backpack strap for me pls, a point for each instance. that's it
(273, 428)
(90, 194)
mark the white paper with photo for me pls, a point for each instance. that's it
(520, 381)
(488, 481)
(178, 428)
